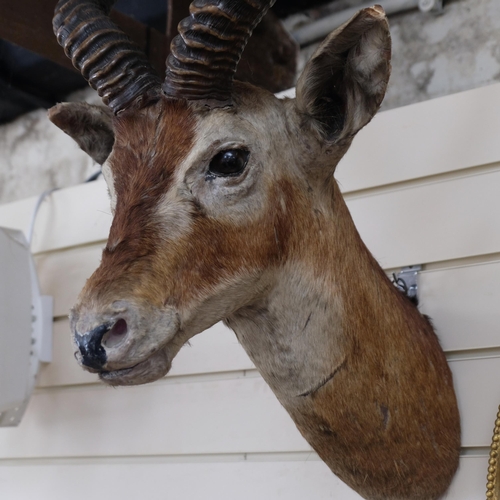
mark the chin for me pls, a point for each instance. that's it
(153, 368)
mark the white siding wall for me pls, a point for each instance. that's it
(423, 185)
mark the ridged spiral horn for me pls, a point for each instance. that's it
(204, 55)
(111, 63)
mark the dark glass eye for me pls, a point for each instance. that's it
(230, 162)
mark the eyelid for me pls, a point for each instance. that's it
(224, 146)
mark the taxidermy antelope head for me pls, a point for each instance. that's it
(225, 208)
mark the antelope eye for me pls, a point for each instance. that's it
(230, 162)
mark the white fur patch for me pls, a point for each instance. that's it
(110, 181)
(295, 337)
(173, 214)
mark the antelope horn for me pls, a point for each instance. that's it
(204, 55)
(111, 63)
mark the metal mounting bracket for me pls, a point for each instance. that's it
(407, 281)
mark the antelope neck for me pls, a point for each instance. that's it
(302, 332)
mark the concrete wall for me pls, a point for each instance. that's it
(35, 155)
(440, 55)
(432, 56)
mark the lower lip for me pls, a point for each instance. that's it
(148, 370)
(116, 373)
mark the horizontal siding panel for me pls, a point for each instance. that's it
(215, 350)
(425, 139)
(62, 274)
(478, 394)
(193, 481)
(72, 217)
(433, 222)
(470, 481)
(223, 416)
(204, 481)
(463, 304)
(69, 217)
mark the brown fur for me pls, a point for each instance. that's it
(274, 253)
(149, 145)
(379, 412)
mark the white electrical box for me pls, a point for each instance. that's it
(25, 326)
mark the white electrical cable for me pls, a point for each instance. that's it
(35, 212)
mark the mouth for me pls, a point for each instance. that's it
(149, 370)
(109, 375)
(138, 344)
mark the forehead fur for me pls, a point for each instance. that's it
(151, 141)
(149, 144)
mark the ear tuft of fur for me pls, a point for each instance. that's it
(90, 126)
(344, 83)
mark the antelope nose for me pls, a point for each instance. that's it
(94, 344)
(90, 346)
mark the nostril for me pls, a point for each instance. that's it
(116, 334)
(90, 346)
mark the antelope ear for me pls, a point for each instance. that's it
(344, 83)
(90, 126)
